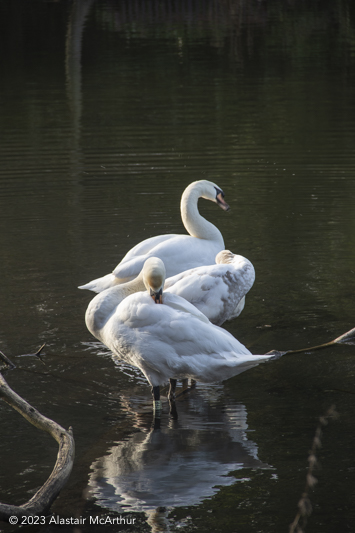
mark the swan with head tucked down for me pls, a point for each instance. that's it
(179, 252)
(165, 336)
(219, 290)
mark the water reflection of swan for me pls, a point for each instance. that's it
(218, 291)
(179, 252)
(169, 341)
(180, 465)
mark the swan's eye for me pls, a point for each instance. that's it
(219, 191)
(220, 199)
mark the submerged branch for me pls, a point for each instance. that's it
(304, 505)
(45, 496)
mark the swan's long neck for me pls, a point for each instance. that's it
(104, 304)
(195, 224)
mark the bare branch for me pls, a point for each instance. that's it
(7, 361)
(346, 338)
(304, 505)
(45, 496)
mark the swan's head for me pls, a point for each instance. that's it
(210, 191)
(224, 257)
(154, 277)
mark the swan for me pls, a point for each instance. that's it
(165, 336)
(219, 290)
(179, 252)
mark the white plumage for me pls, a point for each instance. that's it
(179, 252)
(219, 290)
(170, 340)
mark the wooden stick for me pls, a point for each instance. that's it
(40, 503)
(348, 337)
(7, 360)
(36, 354)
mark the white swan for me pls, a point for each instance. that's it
(179, 252)
(219, 290)
(169, 341)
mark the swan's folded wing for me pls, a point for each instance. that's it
(180, 304)
(170, 282)
(216, 290)
(242, 273)
(166, 247)
(182, 345)
(174, 340)
(179, 252)
(146, 246)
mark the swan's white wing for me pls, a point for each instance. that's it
(179, 253)
(180, 304)
(147, 246)
(165, 343)
(218, 291)
(207, 291)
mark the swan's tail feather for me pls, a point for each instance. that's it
(100, 284)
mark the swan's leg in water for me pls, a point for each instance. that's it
(185, 383)
(156, 400)
(172, 389)
(171, 395)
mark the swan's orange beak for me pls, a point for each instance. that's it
(221, 202)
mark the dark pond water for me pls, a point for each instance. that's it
(108, 110)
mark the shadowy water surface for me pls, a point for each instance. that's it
(108, 110)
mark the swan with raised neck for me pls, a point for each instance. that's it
(179, 252)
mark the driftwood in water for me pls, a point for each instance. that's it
(346, 338)
(45, 496)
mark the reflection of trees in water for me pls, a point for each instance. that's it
(251, 26)
(239, 25)
(214, 20)
(212, 12)
(73, 52)
(179, 465)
